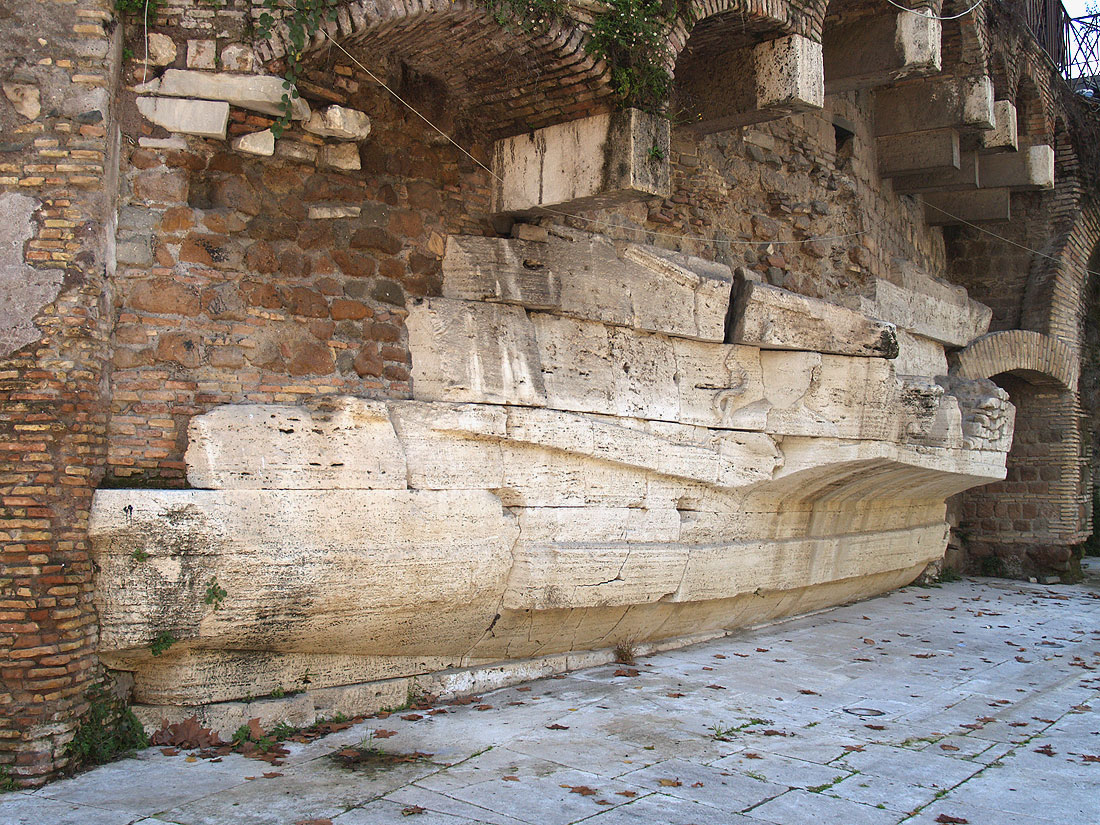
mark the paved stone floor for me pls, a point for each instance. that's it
(972, 702)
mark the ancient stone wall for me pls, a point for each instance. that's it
(57, 159)
(538, 371)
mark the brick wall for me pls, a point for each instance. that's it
(56, 139)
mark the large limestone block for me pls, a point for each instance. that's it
(965, 177)
(360, 572)
(918, 355)
(586, 276)
(935, 103)
(204, 118)
(592, 574)
(1003, 136)
(597, 160)
(441, 440)
(925, 306)
(1030, 168)
(722, 89)
(914, 153)
(260, 93)
(339, 122)
(982, 206)
(347, 445)
(877, 50)
(727, 570)
(466, 351)
(772, 318)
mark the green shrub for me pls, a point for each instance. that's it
(108, 731)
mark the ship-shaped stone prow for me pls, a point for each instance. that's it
(585, 461)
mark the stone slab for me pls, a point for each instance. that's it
(772, 318)
(945, 102)
(966, 177)
(922, 305)
(878, 50)
(602, 159)
(932, 150)
(588, 277)
(347, 444)
(1030, 168)
(982, 206)
(260, 93)
(305, 570)
(203, 118)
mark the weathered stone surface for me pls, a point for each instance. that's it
(588, 277)
(162, 49)
(237, 57)
(982, 206)
(347, 572)
(322, 213)
(1030, 168)
(202, 54)
(24, 291)
(204, 118)
(772, 318)
(260, 93)
(965, 177)
(25, 98)
(918, 355)
(1003, 135)
(942, 103)
(934, 150)
(339, 122)
(257, 143)
(882, 49)
(349, 444)
(926, 306)
(596, 160)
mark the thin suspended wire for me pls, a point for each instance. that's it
(925, 13)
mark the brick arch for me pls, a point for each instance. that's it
(508, 80)
(1037, 358)
(736, 23)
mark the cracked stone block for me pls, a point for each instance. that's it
(203, 118)
(260, 93)
(339, 122)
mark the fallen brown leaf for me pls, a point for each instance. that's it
(271, 774)
(556, 726)
(949, 747)
(509, 779)
(875, 727)
(1046, 750)
(809, 693)
(411, 810)
(696, 784)
(629, 794)
(412, 717)
(945, 819)
(716, 687)
(583, 790)
(484, 707)
(626, 671)
(669, 783)
(752, 755)
(382, 733)
(675, 695)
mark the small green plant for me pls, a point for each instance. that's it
(161, 644)
(244, 734)
(139, 555)
(282, 731)
(723, 732)
(655, 153)
(527, 15)
(109, 730)
(215, 594)
(632, 36)
(138, 7)
(827, 785)
(950, 574)
(7, 783)
(278, 693)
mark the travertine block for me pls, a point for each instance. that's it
(257, 143)
(587, 277)
(1030, 168)
(467, 351)
(772, 318)
(596, 160)
(351, 446)
(918, 355)
(339, 122)
(982, 206)
(913, 153)
(387, 572)
(877, 50)
(920, 304)
(1003, 135)
(260, 93)
(936, 103)
(204, 118)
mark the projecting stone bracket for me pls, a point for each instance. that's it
(935, 103)
(979, 206)
(868, 53)
(1002, 137)
(1032, 168)
(933, 150)
(768, 317)
(785, 78)
(598, 160)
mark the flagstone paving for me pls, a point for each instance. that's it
(972, 702)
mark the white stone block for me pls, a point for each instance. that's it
(162, 49)
(260, 93)
(925, 306)
(204, 118)
(257, 143)
(349, 445)
(339, 122)
(202, 54)
(1003, 135)
(236, 57)
(789, 74)
(341, 156)
(600, 159)
(323, 213)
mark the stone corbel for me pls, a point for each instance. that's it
(598, 160)
(868, 53)
(786, 77)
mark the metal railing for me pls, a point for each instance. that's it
(1073, 43)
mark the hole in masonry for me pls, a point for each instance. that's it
(865, 712)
